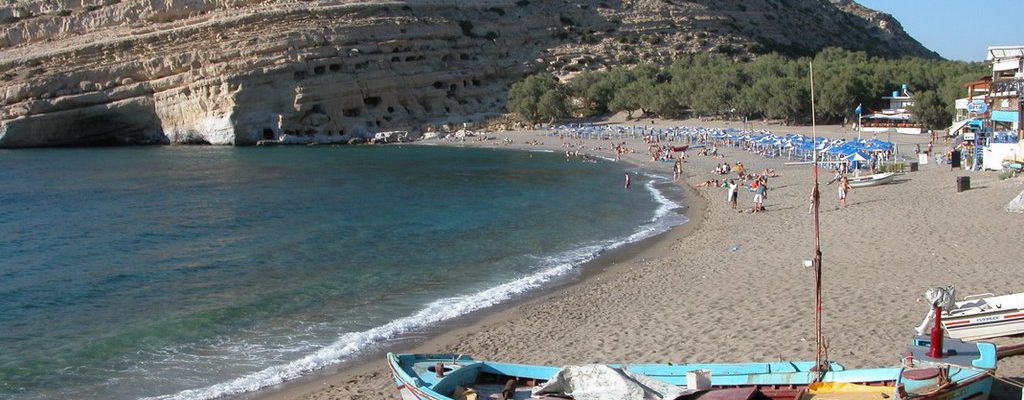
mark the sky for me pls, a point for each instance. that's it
(958, 29)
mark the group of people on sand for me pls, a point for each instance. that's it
(620, 149)
(663, 153)
(758, 184)
(712, 152)
(759, 187)
(842, 191)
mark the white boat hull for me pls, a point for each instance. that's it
(987, 317)
(872, 180)
(984, 317)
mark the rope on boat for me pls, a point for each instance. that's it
(1009, 351)
(1007, 380)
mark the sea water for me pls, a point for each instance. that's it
(200, 272)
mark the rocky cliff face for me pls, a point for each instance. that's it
(80, 72)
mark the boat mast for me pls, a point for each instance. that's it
(819, 356)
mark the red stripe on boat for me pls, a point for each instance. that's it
(1013, 316)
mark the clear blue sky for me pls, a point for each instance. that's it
(958, 29)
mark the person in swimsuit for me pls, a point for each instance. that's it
(844, 189)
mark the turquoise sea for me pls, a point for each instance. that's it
(200, 272)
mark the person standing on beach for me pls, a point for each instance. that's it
(844, 189)
(732, 193)
(627, 180)
(759, 194)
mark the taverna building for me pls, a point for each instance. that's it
(896, 118)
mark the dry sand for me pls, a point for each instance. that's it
(688, 298)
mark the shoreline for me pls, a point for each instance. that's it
(447, 334)
(729, 286)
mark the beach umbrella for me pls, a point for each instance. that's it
(857, 156)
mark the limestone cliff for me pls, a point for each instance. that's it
(80, 72)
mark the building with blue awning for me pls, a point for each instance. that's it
(1007, 88)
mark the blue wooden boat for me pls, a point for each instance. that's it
(964, 373)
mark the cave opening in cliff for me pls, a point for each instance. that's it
(391, 109)
(372, 101)
(319, 70)
(268, 134)
(438, 84)
(396, 59)
(300, 75)
(453, 87)
(335, 67)
(476, 82)
(352, 112)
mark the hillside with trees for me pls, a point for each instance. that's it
(770, 87)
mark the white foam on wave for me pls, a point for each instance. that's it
(351, 344)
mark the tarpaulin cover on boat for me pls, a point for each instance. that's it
(601, 382)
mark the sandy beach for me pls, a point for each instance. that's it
(730, 286)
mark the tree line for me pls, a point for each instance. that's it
(771, 86)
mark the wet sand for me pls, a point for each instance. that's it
(730, 286)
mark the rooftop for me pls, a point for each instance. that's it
(997, 53)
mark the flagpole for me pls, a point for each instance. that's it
(859, 126)
(820, 358)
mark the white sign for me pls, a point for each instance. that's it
(968, 135)
(977, 106)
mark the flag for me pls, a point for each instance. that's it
(858, 110)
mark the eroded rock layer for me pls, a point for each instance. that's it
(236, 72)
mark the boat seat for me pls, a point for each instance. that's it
(921, 374)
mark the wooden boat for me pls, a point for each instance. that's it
(982, 316)
(963, 374)
(871, 180)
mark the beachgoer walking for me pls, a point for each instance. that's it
(627, 180)
(732, 193)
(844, 189)
(760, 189)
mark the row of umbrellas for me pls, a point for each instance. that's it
(798, 145)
